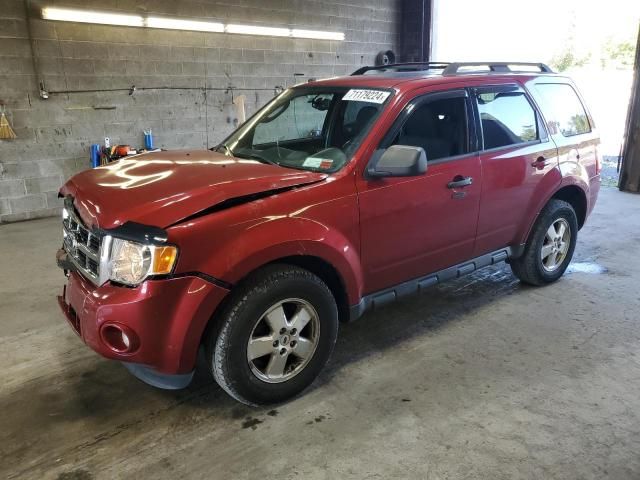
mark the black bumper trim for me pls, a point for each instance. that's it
(208, 278)
(159, 380)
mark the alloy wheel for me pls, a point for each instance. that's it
(283, 340)
(555, 245)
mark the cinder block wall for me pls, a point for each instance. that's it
(54, 135)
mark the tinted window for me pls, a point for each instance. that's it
(565, 109)
(507, 118)
(438, 126)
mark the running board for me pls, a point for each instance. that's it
(378, 299)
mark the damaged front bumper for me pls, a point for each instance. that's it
(155, 328)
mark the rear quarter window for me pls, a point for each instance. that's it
(563, 108)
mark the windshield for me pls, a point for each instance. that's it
(308, 128)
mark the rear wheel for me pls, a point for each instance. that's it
(550, 246)
(274, 336)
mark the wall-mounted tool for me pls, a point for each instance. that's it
(6, 132)
(44, 94)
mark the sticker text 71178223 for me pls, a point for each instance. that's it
(372, 96)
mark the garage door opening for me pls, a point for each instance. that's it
(593, 42)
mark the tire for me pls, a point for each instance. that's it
(254, 312)
(386, 57)
(531, 268)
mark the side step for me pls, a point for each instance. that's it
(391, 294)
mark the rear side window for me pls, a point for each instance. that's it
(564, 108)
(507, 118)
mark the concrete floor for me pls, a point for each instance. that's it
(480, 378)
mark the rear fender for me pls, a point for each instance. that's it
(544, 190)
(573, 173)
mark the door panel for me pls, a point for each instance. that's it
(414, 226)
(516, 156)
(510, 179)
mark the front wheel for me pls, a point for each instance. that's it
(550, 246)
(275, 335)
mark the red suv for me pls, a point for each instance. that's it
(337, 197)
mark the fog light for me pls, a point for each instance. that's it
(125, 340)
(119, 338)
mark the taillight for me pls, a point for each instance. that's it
(598, 161)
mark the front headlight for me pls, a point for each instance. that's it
(131, 262)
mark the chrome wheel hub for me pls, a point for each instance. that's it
(555, 246)
(283, 340)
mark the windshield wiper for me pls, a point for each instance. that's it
(258, 157)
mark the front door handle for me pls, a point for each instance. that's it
(460, 181)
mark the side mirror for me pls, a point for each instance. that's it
(400, 161)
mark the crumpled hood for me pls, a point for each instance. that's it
(162, 188)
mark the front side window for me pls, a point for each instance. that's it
(565, 108)
(507, 118)
(438, 126)
(308, 128)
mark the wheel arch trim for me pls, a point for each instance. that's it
(566, 185)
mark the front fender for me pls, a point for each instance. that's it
(276, 238)
(320, 220)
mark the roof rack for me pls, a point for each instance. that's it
(494, 67)
(404, 67)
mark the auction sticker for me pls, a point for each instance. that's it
(371, 96)
(314, 162)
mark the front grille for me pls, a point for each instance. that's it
(82, 245)
(94, 243)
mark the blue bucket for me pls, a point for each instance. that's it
(148, 140)
(94, 155)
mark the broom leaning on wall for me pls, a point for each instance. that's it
(6, 132)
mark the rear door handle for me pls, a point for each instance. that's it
(460, 181)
